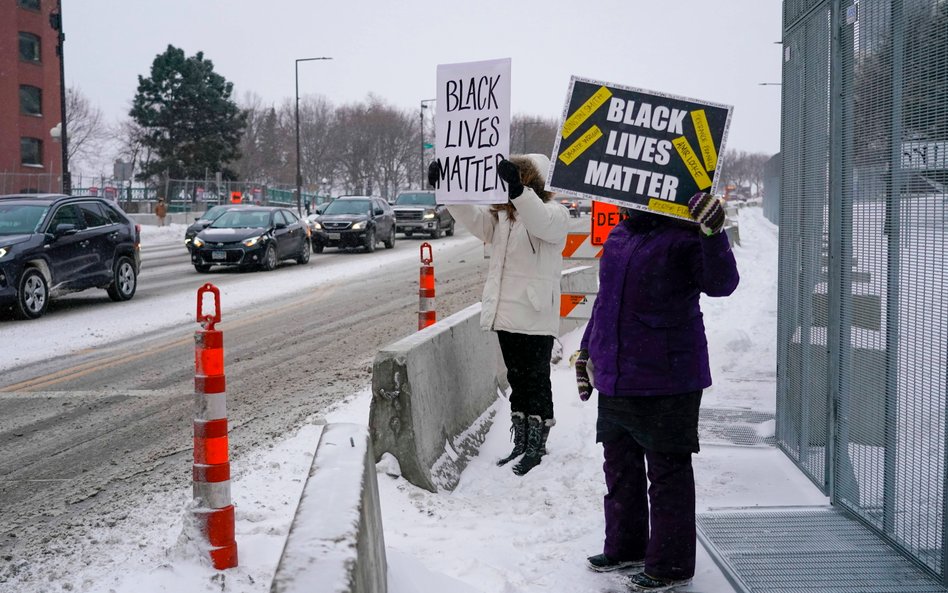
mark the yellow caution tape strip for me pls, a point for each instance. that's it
(582, 143)
(708, 152)
(691, 161)
(585, 110)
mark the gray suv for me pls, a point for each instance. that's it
(417, 212)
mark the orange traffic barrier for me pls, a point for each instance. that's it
(426, 289)
(214, 511)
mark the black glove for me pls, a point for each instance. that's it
(510, 174)
(582, 375)
(434, 173)
(707, 212)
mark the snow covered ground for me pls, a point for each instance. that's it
(496, 532)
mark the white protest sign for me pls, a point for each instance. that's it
(472, 123)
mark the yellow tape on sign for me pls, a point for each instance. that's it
(691, 161)
(669, 208)
(585, 110)
(708, 152)
(582, 143)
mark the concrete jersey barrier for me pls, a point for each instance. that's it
(432, 396)
(335, 543)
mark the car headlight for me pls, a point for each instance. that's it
(317, 226)
(359, 225)
(198, 242)
(4, 251)
(429, 214)
(252, 241)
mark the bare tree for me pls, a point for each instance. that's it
(317, 148)
(127, 136)
(744, 169)
(84, 123)
(530, 134)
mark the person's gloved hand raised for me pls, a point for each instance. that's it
(708, 212)
(581, 360)
(434, 173)
(510, 174)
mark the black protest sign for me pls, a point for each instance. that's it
(636, 148)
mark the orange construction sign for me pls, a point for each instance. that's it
(604, 218)
(579, 246)
(576, 306)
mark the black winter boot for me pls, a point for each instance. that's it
(518, 433)
(536, 445)
(547, 425)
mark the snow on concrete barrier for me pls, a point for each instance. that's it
(431, 398)
(335, 544)
(433, 392)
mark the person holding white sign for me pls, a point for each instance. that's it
(522, 292)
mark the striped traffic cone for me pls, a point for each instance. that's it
(426, 289)
(214, 511)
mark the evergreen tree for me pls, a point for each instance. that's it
(190, 123)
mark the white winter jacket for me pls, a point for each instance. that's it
(522, 292)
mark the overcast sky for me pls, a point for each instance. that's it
(718, 51)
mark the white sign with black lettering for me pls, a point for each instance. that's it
(472, 124)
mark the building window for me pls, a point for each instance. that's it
(31, 151)
(31, 100)
(29, 47)
(31, 4)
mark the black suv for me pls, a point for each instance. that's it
(354, 221)
(53, 244)
(417, 212)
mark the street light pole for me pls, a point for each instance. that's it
(421, 113)
(299, 169)
(56, 22)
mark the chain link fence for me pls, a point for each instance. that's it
(863, 289)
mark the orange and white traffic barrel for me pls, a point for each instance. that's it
(214, 510)
(426, 289)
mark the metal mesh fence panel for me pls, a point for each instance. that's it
(875, 323)
(793, 10)
(802, 357)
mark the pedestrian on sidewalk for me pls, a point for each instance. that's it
(522, 292)
(646, 345)
(161, 210)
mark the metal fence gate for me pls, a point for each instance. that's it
(863, 297)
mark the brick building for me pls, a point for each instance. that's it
(30, 101)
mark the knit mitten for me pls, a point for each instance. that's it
(708, 212)
(582, 375)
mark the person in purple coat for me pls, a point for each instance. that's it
(646, 349)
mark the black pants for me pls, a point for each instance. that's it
(650, 501)
(528, 372)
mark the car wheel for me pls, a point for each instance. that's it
(269, 262)
(124, 280)
(304, 255)
(436, 234)
(450, 231)
(202, 268)
(32, 298)
(370, 240)
(318, 247)
(390, 242)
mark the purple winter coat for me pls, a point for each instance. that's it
(646, 334)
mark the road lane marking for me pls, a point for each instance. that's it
(83, 369)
